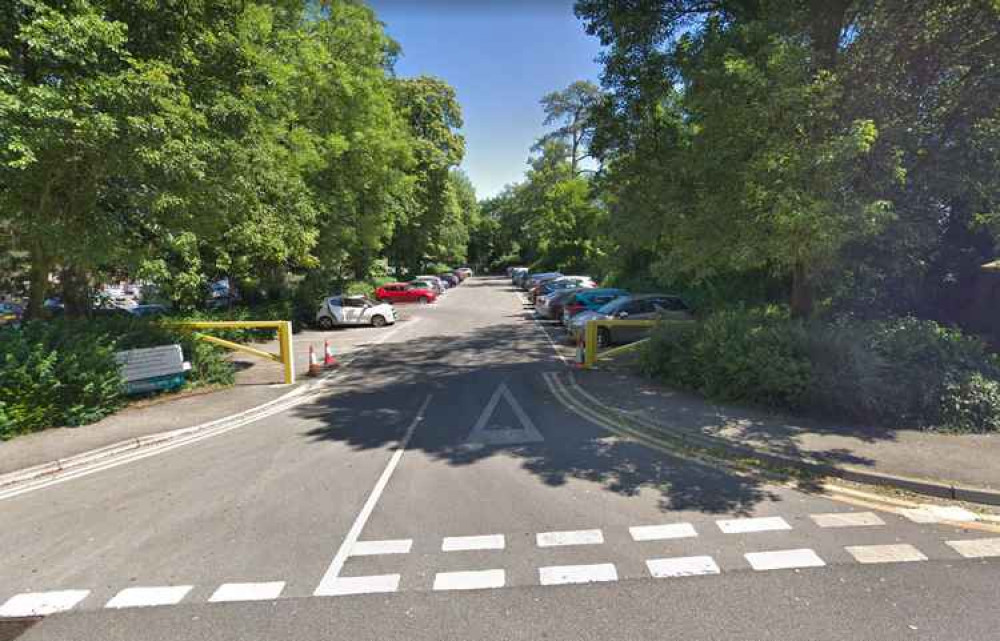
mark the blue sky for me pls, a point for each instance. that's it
(501, 57)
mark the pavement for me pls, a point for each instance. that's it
(437, 488)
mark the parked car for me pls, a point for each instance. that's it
(436, 283)
(10, 313)
(465, 272)
(451, 279)
(406, 293)
(337, 311)
(551, 305)
(146, 311)
(642, 307)
(531, 280)
(591, 299)
(516, 274)
(545, 287)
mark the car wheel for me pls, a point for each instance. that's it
(603, 337)
(423, 300)
(326, 323)
(378, 321)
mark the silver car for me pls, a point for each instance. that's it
(640, 307)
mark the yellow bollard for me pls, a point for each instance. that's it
(286, 351)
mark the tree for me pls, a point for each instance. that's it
(572, 110)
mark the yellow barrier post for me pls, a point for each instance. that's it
(287, 353)
(590, 344)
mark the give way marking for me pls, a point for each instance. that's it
(489, 432)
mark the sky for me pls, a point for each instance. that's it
(501, 56)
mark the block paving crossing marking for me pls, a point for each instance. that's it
(565, 574)
(36, 604)
(784, 559)
(898, 553)
(372, 548)
(847, 519)
(374, 584)
(475, 580)
(147, 597)
(976, 548)
(229, 592)
(463, 543)
(662, 532)
(759, 524)
(570, 537)
(682, 566)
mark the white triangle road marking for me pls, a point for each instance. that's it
(485, 434)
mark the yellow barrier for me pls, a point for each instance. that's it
(590, 337)
(284, 328)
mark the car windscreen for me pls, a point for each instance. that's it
(613, 306)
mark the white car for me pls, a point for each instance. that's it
(338, 311)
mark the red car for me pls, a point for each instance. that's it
(405, 293)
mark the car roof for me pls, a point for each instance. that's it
(602, 291)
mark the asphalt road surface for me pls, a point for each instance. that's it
(440, 491)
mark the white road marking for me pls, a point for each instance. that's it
(484, 434)
(372, 548)
(564, 574)
(760, 524)
(476, 580)
(938, 513)
(146, 597)
(847, 519)
(976, 548)
(39, 604)
(460, 543)
(344, 585)
(662, 532)
(228, 592)
(327, 585)
(897, 553)
(682, 566)
(552, 343)
(571, 537)
(784, 559)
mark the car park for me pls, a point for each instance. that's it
(406, 293)
(451, 279)
(551, 305)
(591, 299)
(548, 286)
(337, 311)
(531, 280)
(436, 283)
(640, 307)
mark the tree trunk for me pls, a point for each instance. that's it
(75, 291)
(38, 277)
(802, 292)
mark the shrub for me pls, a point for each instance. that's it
(894, 372)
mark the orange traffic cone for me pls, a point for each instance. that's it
(314, 368)
(328, 359)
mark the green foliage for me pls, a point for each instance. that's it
(64, 373)
(900, 372)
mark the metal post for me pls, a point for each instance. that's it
(287, 353)
(590, 344)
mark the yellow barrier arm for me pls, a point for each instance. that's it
(590, 337)
(285, 355)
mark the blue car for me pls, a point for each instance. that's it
(590, 300)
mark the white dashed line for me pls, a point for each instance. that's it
(228, 592)
(476, 580)
(784, 559)
(39, 604)
(682, 566)
(847, 519)
(976, 548)
(899, 553)
(146, 597)
(571, 537)
(565, 574)
(662, 532)
(343, 585)
(373, 548)
(461, 543)
(760, 524)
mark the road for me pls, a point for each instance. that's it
(439, 490)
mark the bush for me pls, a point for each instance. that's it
(63, 372)
(896, 372)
